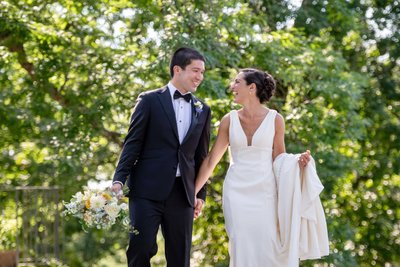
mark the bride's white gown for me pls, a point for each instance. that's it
(250, 197)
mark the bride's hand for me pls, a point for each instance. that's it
(198, 207)
(304, 158)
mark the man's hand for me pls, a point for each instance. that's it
(304, 158)
(198, 207)
(117, 189)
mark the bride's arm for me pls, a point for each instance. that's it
(215, 155)
(279, 139)
(279, 142)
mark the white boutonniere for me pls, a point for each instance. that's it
(198, 107)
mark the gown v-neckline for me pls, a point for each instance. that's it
(255, 132)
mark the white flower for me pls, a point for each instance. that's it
(79, 196)
(87, 194)
(71, 206)
(97, 202)
(112, 210)
(124, 206)
(198, 105)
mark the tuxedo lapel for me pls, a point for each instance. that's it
(166, 102)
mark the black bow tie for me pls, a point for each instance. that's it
(187, 97)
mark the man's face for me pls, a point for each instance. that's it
(188, 79)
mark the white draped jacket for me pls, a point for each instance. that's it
(302, 225)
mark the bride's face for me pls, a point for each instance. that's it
(240, 89)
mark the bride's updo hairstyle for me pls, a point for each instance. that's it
(265, 83)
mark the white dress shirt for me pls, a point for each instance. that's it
(183, 116)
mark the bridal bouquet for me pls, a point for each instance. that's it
(98, 209)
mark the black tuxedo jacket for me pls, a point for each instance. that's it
(151, 150)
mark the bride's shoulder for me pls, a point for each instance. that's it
(224, 124)
(279, 120)
(277, 114)
(226, 118)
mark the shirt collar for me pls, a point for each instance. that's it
(172, 90)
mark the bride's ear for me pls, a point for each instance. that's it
(252, 88)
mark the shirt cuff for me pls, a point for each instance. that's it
(118, 182)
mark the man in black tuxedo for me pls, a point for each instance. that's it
(167, 141)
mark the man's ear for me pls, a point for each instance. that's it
(176, 69)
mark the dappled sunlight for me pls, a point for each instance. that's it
(70, 73)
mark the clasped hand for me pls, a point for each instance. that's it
(198, 206)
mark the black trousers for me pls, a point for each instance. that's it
(174, 215)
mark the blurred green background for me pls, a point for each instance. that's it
(70, 72)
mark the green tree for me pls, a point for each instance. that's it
(70, 72)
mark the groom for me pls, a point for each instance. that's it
(167, 140)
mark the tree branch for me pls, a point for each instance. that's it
(18, 47)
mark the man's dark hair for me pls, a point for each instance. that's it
(183, 56)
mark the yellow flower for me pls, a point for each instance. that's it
(125, 199)
(87, 204)
(107, 196)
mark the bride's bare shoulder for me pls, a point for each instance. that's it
(279, 121)
(225, 120)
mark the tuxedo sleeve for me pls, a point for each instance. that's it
(133, 141)
(202, 151)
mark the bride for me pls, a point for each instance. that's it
(255, 136)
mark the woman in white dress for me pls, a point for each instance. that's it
(255, 136)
